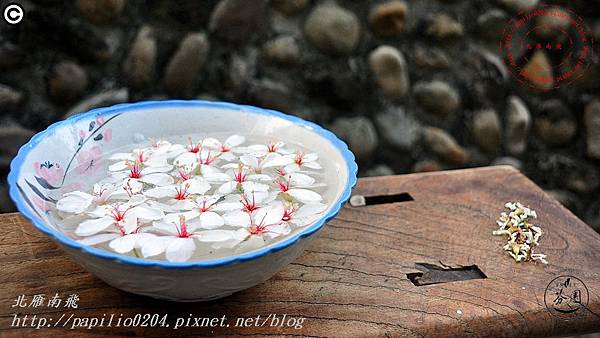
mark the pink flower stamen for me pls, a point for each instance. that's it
(181, 192)
(135, 170)
(249, 206)
(129, 189)
(182, 231)
(299, 159)
(208, 160)
(272, 147)
(284, 185)
(194, 148)
(224, 148)
(240, 176)
(281, 171)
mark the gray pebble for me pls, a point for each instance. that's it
(237, 20)
(184, 66)
(360, 134)
(444, 145)
(487, 130)
(518, 123)
(592, 126)
(289, 7)
(10, 98)
(332, 29)
(398, 129)
(282, 50)
(437, 97)
(442, 26)
(391, 73)
(379, 170)
(388, 18)
(100, 11)
(141, 61)
(101, 99)
(67, 81)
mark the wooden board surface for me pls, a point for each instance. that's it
(352, 281)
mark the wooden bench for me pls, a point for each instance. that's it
(353, 280)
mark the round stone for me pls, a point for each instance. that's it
(518, 123)
(437, 97)
(442, 26)
(388, 18)
(390, 70)
(444, 145)
(397, 128)
(283, 50)
(100, 11)
(360, 134)
(486, 130)
(555, 125)
(185, 64)
(237, 20)
(332, 29)
(67, 81)
(592, 126)
(289, 7)
(141, 60)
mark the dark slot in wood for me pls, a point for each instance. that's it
(361, 201)
(433, 274)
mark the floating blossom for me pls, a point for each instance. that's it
(522, 235)
(261, 150)
(170, 199)
(254, 228)
(226, 148)
(78, 202)
(294, 188)
(123, 216)
(178, 244)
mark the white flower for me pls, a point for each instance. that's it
(239, 180)
(78, 201)
(123, 216)
(267, 222)
(304, 215)
(261, 150)
(123, 243)
(153, 175)
(293, 187)
(226, 148)
(179, 196)
(179, 244)
(301, 160)
(257, 164)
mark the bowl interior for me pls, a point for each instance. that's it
(71, 155)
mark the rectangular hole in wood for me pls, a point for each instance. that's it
(360, 201)
(433, 274)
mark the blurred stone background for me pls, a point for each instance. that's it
(412, 86)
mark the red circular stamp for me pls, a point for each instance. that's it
(547, 47)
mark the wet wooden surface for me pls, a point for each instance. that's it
(352, 281)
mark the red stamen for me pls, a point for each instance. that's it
(240, 175)
(135, 170)
(299, 159)
(249, 206)
(272, 147)
(194, 148)
(284, 185)
(181, 192)
(182, 231)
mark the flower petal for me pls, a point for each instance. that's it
(157, 179)
(74, 202)
(94, 226)
(97, 239)
(180, 249)
(213, 235)
(123, 244)
(211, 220)
(237, 218)
(235, 140)
(305, 195)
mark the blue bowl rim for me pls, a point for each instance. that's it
(57, 236)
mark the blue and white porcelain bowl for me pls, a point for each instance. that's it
(51, 165)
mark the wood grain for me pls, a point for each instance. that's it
(352, 281)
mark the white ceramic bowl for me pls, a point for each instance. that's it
(42, 172)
